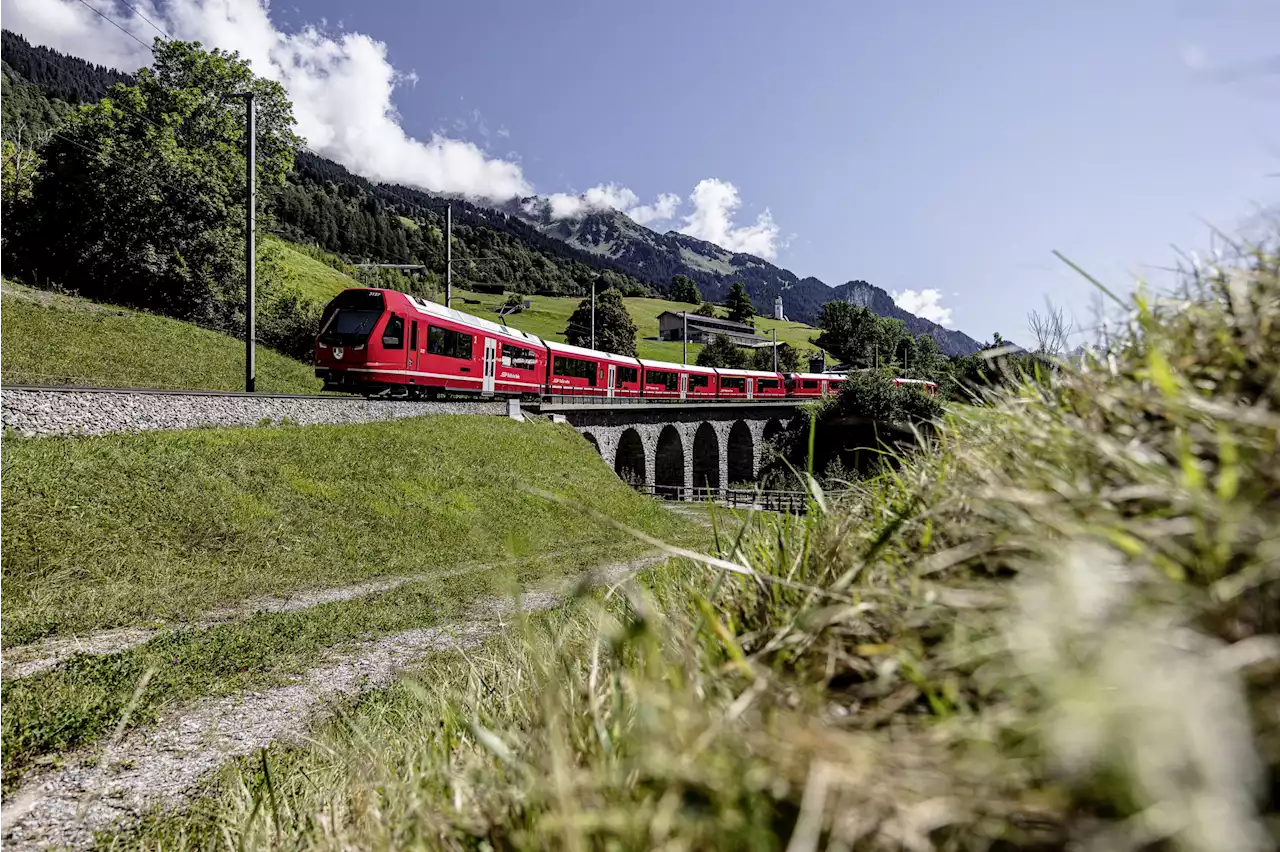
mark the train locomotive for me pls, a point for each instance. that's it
(385, 343)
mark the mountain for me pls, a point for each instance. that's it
(654, 258)
(518, 243)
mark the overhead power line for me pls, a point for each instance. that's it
(114, 24)
(145, 18)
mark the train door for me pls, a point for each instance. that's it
(751, 388)
(684, 385)
(490, 359)
(613, 378)
(411, 362)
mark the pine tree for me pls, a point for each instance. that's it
(739, 303)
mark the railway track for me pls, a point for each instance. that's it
(217, 393)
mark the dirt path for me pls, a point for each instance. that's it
(162, 765)
(26, 660)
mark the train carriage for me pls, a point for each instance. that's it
(667, 380)
(749, 384)
(388, 342)
(577, 371)
(806, 385)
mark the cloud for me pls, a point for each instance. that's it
(341, 84)
(613, 197)
(714, 202)
(926, 304)
(660, 211)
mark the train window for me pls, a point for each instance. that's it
(733, 384)
(518, 357)
(393, 334)
(413, 337)
(697, 381)
(670, 381)
(449, 343)
(575, 368)
(809, 384)
(349, 319)
(766, 384)
(625, 375)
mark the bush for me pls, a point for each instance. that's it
(288, 324)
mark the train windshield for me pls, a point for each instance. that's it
(349, 319)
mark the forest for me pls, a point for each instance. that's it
(190, 266)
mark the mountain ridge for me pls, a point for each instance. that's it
(517, 241)
(655, 257)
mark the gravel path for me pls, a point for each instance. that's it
(40, 412)
(163, 764)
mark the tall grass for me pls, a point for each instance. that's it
(1052, 626)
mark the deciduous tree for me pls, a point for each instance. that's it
(683, 289)
(141, 200)
(615, 330)
(722, 352)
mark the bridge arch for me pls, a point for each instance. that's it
(591, 439)
(742, 453)
(771, 429)
(630, 461)
(706, 458)
(669, 468)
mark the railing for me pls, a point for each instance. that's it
(580, 396)
(791, 502)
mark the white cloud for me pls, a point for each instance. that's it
(341, 85)
(926, 304)
(613, 197)
(659, 211)
(714, 202)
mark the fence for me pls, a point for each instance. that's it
(791, 502)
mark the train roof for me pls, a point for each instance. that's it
(669, 365)
(728, 371)
(438, 310)
(812, 375)
(590, 353)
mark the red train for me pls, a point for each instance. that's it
(388, 343)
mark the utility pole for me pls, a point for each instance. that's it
(448, 255)
(775, 350)
(250, 256)
(593, 311)
(684, 337)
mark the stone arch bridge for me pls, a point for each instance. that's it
(677, 450)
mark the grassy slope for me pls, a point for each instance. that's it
(114, 531)
(547, 317)
(315, 281)
(101, 532)
(1054, 628)
(55, 339)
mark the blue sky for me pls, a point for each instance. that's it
(933, 146)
